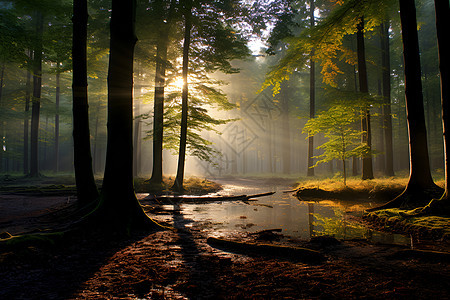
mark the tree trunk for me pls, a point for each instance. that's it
(119, 208)
(86, 189)
(178, 184)
(36, 101)
(442, 25)
(420, 188)
(386, 110)
(380, 158)
(56, 149)
(137, 132)
(286, 137)
(158, 117)
(160, 82)
(312, 96)
(420, 174)
(26, 126)
(2, 75)
(367, 169)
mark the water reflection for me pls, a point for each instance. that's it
(283, 211)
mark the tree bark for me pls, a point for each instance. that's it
(386, 110)
(420, 188)
(26, 125)
(137, 130)
(84, 176)
(160, 82)
(2, 138)
(367, 168)
(420, 174)
(36, 101)
(119, 209)
(442, 25)
(158, 118)
(178, 184)
(312, 96)
(286, 137)
(57, 100)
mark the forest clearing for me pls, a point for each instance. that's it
(197, 149)
(181, 264)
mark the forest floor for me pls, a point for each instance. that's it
(180, 264)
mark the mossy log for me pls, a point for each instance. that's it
(278, 251)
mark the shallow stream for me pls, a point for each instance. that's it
(297, 219)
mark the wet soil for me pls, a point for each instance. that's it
(181, 264)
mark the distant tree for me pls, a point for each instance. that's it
(386, 108)
(212, 43)
(367, 168)
(86, 187)
(36, 98)
(312, 94)
(187, 13)
(337, 125)
(164, 16)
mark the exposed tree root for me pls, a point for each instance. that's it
(411, 198)
(439, 207)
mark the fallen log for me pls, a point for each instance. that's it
(291, 253)
(207, 198)
(266, 231)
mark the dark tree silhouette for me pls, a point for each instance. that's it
(36, 99)
(178, 183)
(442, 8)
(86, 188)
(420, 188)
(367, 169)
(160, 78)
(386, 110)
(312, 95)
(119, 210)
(442, 25)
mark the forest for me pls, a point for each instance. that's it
(190, 149)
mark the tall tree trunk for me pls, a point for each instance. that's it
(158, 118)
(26, 125)
(381, 158)
(119, 207)
(58, 91)
(86, 189)
(312, 95)
(178, 184)
(137, 131)
(286, 137)
(95, 147)
(2, 138)
(442, 24)
(36, 101)
(355, 158)
(420, 174)
(420, 188)
(160, 82)
(386, 110)
(367, 168)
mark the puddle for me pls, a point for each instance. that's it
(282, 210)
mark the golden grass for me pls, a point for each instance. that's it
(192, 185)
(377, 185)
